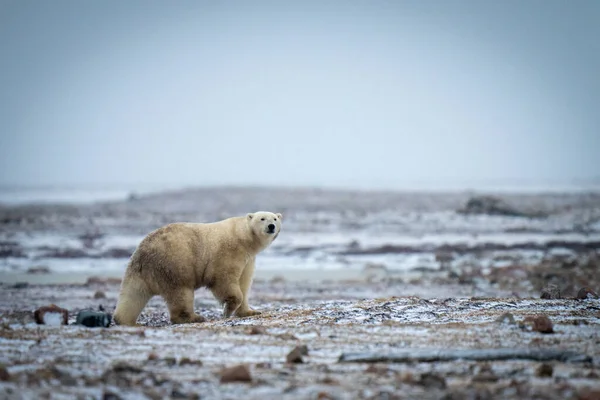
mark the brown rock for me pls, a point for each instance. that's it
(324, 396)
(295, 356)
(544, 370)
(542, 324)
(188, 361)
(42, 314)
(329, 381)
(589, 394)
(550, 292)
(586, 293)
(99, 294)
(4, 375)
(238, 373)
(152, 357)
(257, 330)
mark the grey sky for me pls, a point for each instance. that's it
(348, 93)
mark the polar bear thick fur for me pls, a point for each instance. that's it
(175, 260)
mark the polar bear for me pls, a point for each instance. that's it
(175, 260)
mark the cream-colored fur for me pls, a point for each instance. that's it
(175, 260)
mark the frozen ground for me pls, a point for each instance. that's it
(159, 360)
(351, 272)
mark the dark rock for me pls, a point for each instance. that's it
(170, 361)
(99, 294)
(109, 395)
(490, 205)
(152, 357)
(93, 319)
(550, 292)
(432, 380)
(238, 373)
(11, 249)
(295, 356)
(41, 270)
(586, 293)
(4, 375)
(188, 361)
(20, 285)
(544, 370)
(51, 315)
(124, 367)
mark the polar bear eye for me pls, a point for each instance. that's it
(275, 219)
(262, 219)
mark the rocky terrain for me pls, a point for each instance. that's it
(364, 295)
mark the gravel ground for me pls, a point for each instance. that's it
(160, 360)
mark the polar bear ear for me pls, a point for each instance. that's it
(249, 215)
(279, 216)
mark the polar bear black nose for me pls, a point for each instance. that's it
(271, 227)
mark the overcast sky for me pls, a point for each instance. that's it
(342, 93)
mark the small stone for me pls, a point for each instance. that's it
(295, 356)
(20, 285)
(41, 270)
(542, 324)
(152, 357)
(188, 361)
(170, 361)
(324, 396)
(4, 375)
(257, 330)
(93, 319)
(550, 292)
(586, 293)
(109, 395)
(263, 365)
(51, 315)
(544, 370)
(432, 380)
(99, 294)
(329, 381)
(238, 373)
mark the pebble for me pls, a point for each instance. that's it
(257, 330)
(432, 380)
(99, 295)
(586, 293)
(544, 370)
(188, 361)
(51, 315)
(238, 373)
(295, 356)
(550, 292)
(542, 324)
(93, 319)
(4, 375)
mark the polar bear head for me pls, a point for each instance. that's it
(265, 224)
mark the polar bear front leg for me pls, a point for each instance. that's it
(245, 283)
(230, 295)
